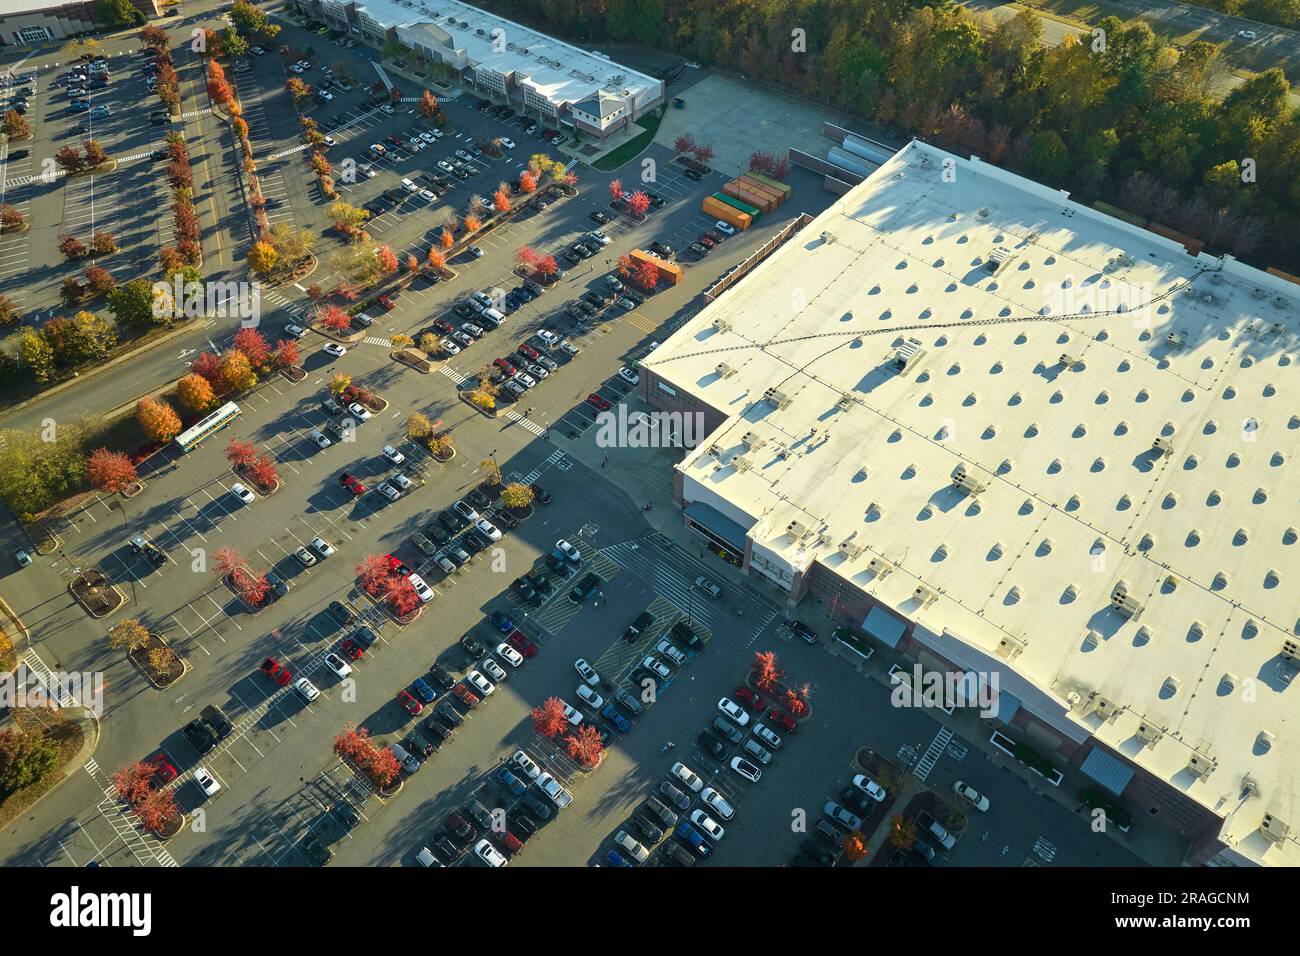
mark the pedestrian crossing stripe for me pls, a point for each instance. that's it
(376, 340)
(532, 426)
(454, 375)
(288, 152)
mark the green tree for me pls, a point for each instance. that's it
(1049, 160)
(132, 304)
(26, 758)
(35, 471)
(92, 336)
(118, 13)
(37, 356)
(249, 21)
(232, 44)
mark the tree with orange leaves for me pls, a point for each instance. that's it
(766, 673)
(158, 419)
(854, 845)
(797, 701)
(549, 719)
(585, 746)
(372, 574)
(473, 223)
(501, 200)
(527, 182)
(446, 239)
(436, 258)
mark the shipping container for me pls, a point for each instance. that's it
(669, 272)
(871, 151)
(763, 189)
(783, 188)
(753, 211)
(854, 164)
(717, 209)
(762, 203)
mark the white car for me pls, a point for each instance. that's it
(507, 142)
(242, 493)
(387, 109)
(656, 666)
(599, 237)
(868, 786)
(481, 684)
(524, 379)
(450, 347)
(549, 337)
(307, 689)
(726, 228)
(423, 590)
(297, 68)
(488, 528)
(322, 547)
(207, 783)
(388, 491)
(594, 700)
(401, 482)
(510, 655)
(669, 651)
(712, 829)
(426, 858)
(768, 736)
(551, 787)
(568, 550)
(319, 438)
(461, 154)
(1246, 34)
(571, 714)
(444, 165)
(295, 331)
(745, 769)
(717, 803)
(537, 371)
(368, 170)
(483, 849)
(416, 144)
(359, 411)
(330, 141)
(586, 672)
(335, 349)
(338, 665)
(428, 137)
(687, 776)
(305, 557)
(633, 847)
(493, 670)
(525, 765)
(734, 711)
(967, 792)
(629, 376)
(393, 455)
(428, 195)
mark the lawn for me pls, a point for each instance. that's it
(612, 160)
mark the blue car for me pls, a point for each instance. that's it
(422, 690)
(502, 622)
(513, 302)
(614, 858)
(691, 836)
(614, 717)
(517, 786)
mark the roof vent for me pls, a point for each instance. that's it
(971, 485)
(879, 567)
(907, 355)
(741, 463)
(725, 370)
(924, 595)
(1011, 646)
(1125, 603)
(1104, 706)
(1201, 765)
(1150, 733)
(722, 325)
(1273, 829)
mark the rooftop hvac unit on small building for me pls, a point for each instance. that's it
(1164, 446)
(1149, 733)
(1011, 646)
(725, 370)
(850, 549)
(797, 530)
(924, 595)
(999, 257)
(908, 354)
(776, 397)
(967, 483)
(879, 567)
(1274, 829)
(1125, 603)
(1104, 706)
(1201, 765)
(1291, 651)
(754, 440)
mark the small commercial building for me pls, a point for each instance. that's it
(29, 22)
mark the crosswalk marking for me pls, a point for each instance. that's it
(288, 152)
(664, 578)
(932, 755)
(279, 299)
(46, 677)
(378, 340)
(532, 426)
(454, 375)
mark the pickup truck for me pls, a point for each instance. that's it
(273, 669)
(707, 586)
(932, 828)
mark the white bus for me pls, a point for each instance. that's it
(213, 423)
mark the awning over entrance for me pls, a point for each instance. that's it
(884, 627)
(1007, 706)
(1110, 772)
(718, 525)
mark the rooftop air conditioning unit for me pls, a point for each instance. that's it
(754, 440)
(797, 530)
(846, 400)
(1104, 706)
(1125, 603)
(1201, 765)
(828, 237)
(997, 259)
(1291, 651)
(776, 397)
(1175, 340)
(1011, 646)
(725, 370)
(879, 567)
(722, 325)
(782, 451)
(972, 486)
(1164, 446)
(1274, 830)
(850, 549)
(1150, 733)
(924, 595)
(1067, 360)
(908, 354)
(715, 451)
(741, 463)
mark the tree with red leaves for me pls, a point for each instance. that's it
(157, 811)
(585, 746)
(549, 719)
(354, 745)
(412, 264)
(383, 767)
(263, 472)
(254, 590)
(240, 453)
(401, 596)
(428, 105)
(795, 701)
(646, 276)
(683, 144)
(110, 471)
(616, 190)
(133, 783)
(347, 291)
(286, 353)
(333, 318)
(548, 266)
(626, 265)
(209, 366)
(253, 344)
(854, 845)
(387, 260)
(527, 182)
(527, 257)
(766, 673)
(703, 153)
(372, 574)
(638, 203)
(226, 560)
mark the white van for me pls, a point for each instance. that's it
(493, 316)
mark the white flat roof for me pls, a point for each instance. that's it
(1056, 416)
(558, 71)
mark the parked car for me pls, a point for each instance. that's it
(966, 792)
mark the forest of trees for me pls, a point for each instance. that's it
(1134, 122)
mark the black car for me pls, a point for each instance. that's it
(571, 257)
(656, 201)
(458, 828)
(435, 733)
(478, 499)
(599, 217)
(480, 815)
(541, 809)
(648, 829)
(586, 308)
(341, 613)
(541, 494)
(817, 851)
(441, 676)
(683, 633)
(503, 519)
(559, 565)
(474, 542)
(524, 588)
(698, 249)
(584, 588)
(662, 249)
(803, 630)
(472, 646)
(452, 521)
(540, 582)
(202, 737)
(692, 175)
(22, 153)
(857, 801)
(217, 720)
(314, 850)
(447, 849)
(438, 533)
(522, 825)
(711, 745)
(364, 637)
(449, 717)
(347, 813)
(417, 744)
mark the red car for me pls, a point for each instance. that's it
(520, 642)
(395, 141)
(387, 302)
(352, 650)
(749, 698)
(395, 566)
(408, 700)
(467, 696)
(351, 484)
(704, 240)
(528, 351)
(272, 669)
(599, 403)
(163, 771)
(506, 367)
(443, 326)
(782, 720)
